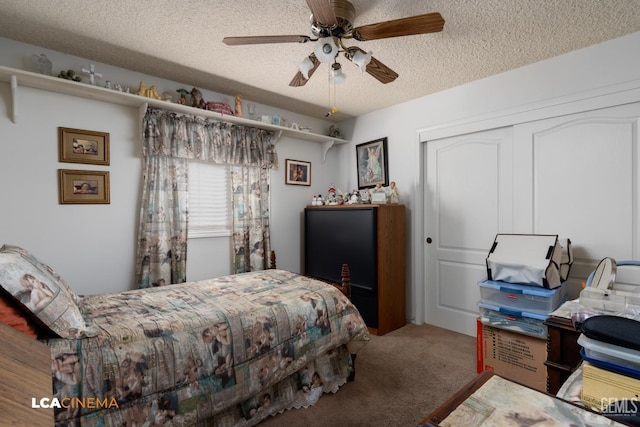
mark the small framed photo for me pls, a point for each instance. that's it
(83, 187)
(83, 146)
(372, 163)
(297, 172)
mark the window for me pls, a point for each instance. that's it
(209, 200)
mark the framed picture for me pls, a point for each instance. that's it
(372, 163)
(83, 146)
(297, 172)
(83, 187)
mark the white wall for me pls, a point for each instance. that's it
(48, 229)
(601, 68)
(93, 246)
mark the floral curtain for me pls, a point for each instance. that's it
(170, 140)
(251, 243)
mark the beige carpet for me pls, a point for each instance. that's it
(400, 378)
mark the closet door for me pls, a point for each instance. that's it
(577, 176)
(468, 199)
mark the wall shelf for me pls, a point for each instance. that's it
(17, 78)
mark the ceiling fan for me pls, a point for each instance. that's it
(332, 23)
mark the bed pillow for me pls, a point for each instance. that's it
(48, 271)
(48, 298)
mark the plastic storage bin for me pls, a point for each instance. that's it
(610, 353)
(513, 320)
(619, 369)
(531, 299)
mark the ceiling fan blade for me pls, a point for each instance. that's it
(419, 24)
(235, 41)
(323, 12)
(380, 71)
(299, 79)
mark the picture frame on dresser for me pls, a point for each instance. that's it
(83, 146)
(83, 187)
(372, 163)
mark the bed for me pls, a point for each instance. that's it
(229, 351)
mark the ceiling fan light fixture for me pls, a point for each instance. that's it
(305, 66)
(361, 59)
(326, 49)
(337, 74)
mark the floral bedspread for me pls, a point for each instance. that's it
(225, 351)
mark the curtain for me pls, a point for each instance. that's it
(251, 243)
(169, 141)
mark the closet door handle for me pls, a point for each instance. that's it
(429, 240)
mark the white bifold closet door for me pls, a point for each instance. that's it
(575, 176)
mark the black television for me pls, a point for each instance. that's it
(335, 236)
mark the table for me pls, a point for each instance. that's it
(496, 401)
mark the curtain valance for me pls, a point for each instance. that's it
(169, 134)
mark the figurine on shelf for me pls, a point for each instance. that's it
(354, 198)
(197, 100)
(378, 194)
(153, 93)
(42, 64)
(238, 111)
(392, 193)
(91, 71)
(331, 197)
(69, 75)
(142, 89)
(365, 197)
(334, 132)
(183, 96)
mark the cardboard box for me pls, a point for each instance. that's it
(601, 388)
(511, 355)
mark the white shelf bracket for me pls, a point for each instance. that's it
(14, 101)
(277, 138)
(326, 146)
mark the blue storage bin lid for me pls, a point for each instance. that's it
(512, 312)
(516, 288)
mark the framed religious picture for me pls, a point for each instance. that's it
(83, 187)
(83, 146)
(372, 163)
(297, 172)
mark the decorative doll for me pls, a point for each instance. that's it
(392, 193)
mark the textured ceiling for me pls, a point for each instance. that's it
(181, 40)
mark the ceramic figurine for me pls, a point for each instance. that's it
(197, 100)
(365, 197)
(354, 198)
(153, 93)
(331, 197)
(392, 193)
(183, 96)
(238, 111)
(69, 75)
(142, 89)
(42, 64)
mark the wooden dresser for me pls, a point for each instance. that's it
(563, 352)
(25, 373)
(370, 239)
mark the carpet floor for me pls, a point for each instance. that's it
(400, 378)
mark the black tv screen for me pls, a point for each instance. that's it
(335, 236)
